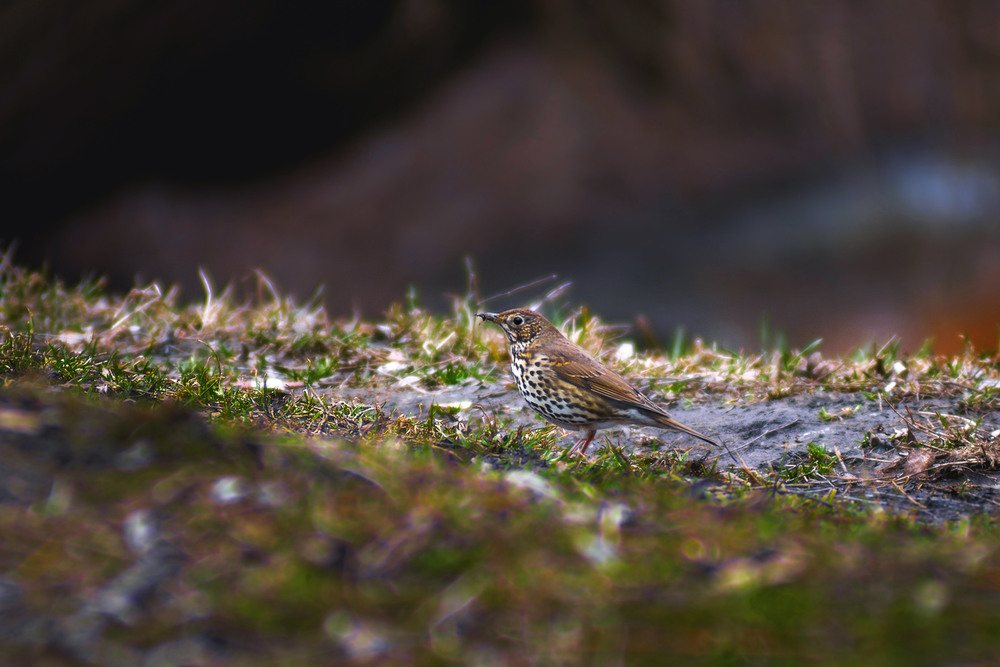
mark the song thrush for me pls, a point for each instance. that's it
(569, 387)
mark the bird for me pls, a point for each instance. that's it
(567, 386)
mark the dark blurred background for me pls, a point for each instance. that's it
(831, 166)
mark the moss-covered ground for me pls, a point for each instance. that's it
(201, 484)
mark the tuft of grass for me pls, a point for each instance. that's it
(816, 462)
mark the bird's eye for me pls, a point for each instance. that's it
(518, 321)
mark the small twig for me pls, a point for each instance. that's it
(948, 464)
(908, 496)
(927, 445)
(519, 288)
(832, 486)
(326, 411)
(928, 413)
(836, 450)
(767, 433)
(553, 294)
(737, 460)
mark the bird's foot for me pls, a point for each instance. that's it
(579, 448)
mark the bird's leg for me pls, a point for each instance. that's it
(584, 443)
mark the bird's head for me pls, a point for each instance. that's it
(520, 325)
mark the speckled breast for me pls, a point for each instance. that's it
(547, 395)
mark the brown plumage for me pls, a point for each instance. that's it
(569, 387)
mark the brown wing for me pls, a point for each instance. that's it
(582, 370)
(579, 368)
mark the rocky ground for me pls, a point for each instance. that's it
(869, 441)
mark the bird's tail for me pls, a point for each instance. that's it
(670, 422)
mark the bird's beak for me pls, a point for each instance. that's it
(487, 317)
